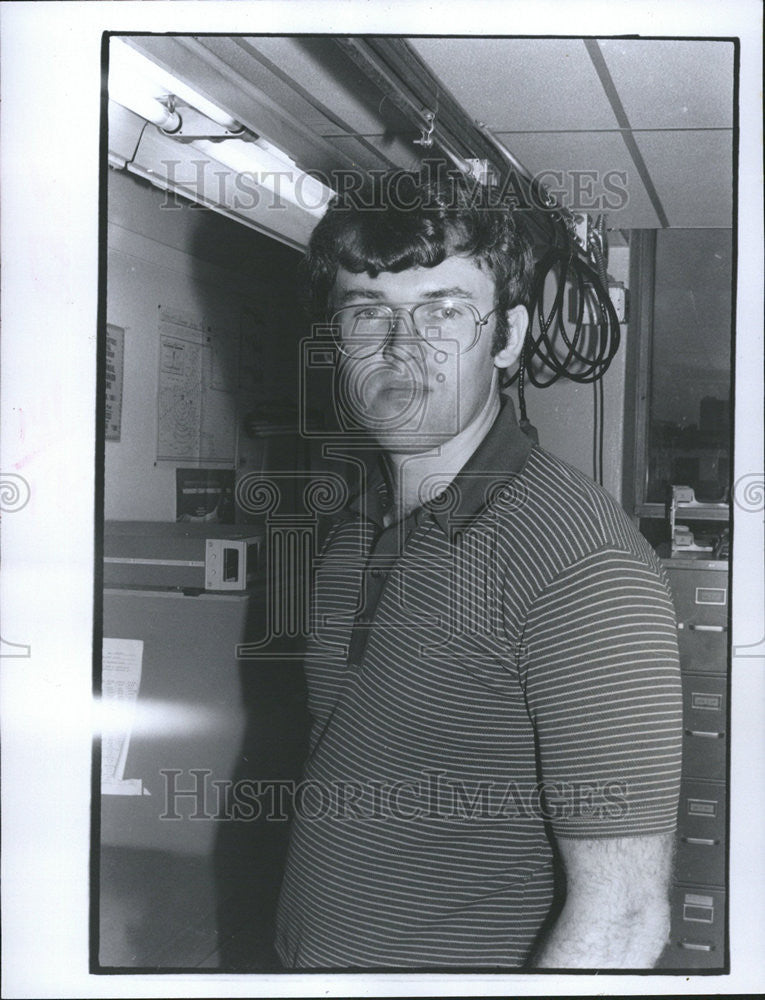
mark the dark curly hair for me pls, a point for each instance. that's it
(405, 222)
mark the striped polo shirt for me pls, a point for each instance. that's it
(499, 667)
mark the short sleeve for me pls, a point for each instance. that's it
(600, 671)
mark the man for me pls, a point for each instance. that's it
(492, 671)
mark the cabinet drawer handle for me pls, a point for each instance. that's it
(706, 841)
(707, 628)
(696, 946)
(704, 732)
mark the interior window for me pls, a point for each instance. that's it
(688, 427)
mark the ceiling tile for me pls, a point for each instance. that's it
(514, 84)
(692, 173)
(672, 83)
(623, 197)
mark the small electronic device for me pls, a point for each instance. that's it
(230, 563)
(181, 555)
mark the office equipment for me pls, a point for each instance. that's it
(204, 555)
(698, 899)
(181, 869)
(189, 719)
(684, 506)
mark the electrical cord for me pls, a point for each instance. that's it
(598, 244)
(583, 358)
(543, 346)
(597, 434)
(551, 351)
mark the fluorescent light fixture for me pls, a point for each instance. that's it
(140, 85)
(270, 168)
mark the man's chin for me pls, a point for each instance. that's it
(408, 442)
(404, 432)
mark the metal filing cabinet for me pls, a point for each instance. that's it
(698, 900)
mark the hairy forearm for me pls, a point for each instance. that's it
(616, 914)
(589, 936)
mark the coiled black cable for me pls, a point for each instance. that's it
(551, 351)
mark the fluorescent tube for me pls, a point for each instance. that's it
(134, 78)
(270, 169)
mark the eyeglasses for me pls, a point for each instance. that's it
(447, 325)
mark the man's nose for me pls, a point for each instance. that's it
(402, 331)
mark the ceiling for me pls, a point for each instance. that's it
(641, 129)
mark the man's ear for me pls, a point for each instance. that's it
(517, 323)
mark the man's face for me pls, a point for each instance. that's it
(413, 395)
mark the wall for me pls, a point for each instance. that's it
(166, 258)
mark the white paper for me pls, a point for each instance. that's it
(128, 786)
(120, 683)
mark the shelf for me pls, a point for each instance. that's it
(702, 512)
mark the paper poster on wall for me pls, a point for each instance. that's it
(197, 389)
(115, 357)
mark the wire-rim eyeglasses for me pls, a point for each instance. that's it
(450, 325)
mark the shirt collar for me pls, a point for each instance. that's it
(372, 502)
(502, 453)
